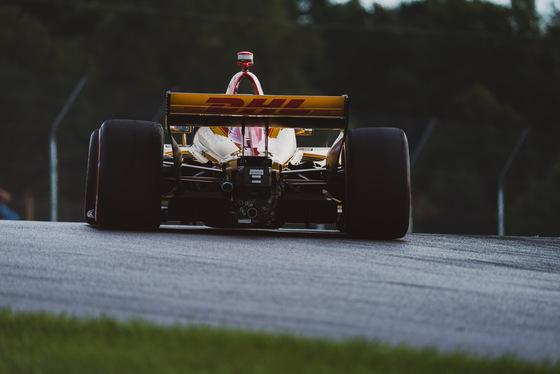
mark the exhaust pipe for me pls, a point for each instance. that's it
(252, 213)
(227, 186)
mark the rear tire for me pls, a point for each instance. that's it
(377, 198)
(129, 176)
(91, 177)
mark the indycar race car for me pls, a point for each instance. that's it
(234, 160)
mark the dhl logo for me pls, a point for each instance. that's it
(233, 105)
(215, 104)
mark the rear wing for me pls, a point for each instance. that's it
(313, 112)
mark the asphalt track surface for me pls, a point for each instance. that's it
(486, 296)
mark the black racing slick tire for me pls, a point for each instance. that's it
(129, 176)
(377, 173)
(91, 178)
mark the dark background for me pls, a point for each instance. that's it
(482, 73)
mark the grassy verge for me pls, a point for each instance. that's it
(48, 343)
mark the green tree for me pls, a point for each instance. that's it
(525, 17)
(24, 40)
(535, 212)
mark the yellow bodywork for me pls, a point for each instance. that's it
(285, 116)
(255, 105)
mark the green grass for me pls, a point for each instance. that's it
(48, 343)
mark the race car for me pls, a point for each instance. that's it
(239, 160)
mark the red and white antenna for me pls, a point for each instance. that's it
(245, 59)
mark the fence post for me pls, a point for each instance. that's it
(421, 143)
(53, 148)
(501, 228)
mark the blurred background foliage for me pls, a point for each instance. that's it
(481, 72)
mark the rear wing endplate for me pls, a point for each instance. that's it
(314, 112)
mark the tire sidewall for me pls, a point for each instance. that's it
(129, 176)
(377, 175)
